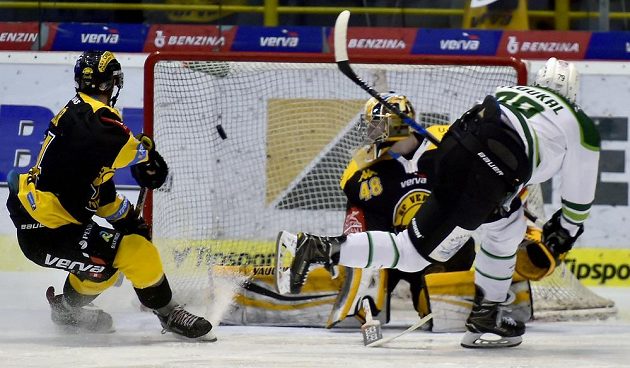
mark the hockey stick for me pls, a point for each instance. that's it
(343, 63)
(142, 196)
(533, 218)
(413, 327)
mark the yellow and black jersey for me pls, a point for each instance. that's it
(71, 181)
(390, 191)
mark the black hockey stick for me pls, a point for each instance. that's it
(343, 63)
(142, 196)
(533, 218)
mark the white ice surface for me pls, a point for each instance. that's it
(29, 339)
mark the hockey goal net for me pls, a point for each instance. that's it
(257, 144)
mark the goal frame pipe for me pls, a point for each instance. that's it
(306, 58)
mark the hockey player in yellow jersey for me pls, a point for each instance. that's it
(53, 205)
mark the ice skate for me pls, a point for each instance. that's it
(306, 250)
(78, 319)
(488, 326)
(183, 323)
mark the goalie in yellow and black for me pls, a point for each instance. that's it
(387, 181)
(53, 205)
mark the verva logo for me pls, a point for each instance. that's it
(291, 39)
(567, 45)
(192, 38)
(101, 38)
(467, 42)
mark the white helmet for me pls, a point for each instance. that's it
(559, 76)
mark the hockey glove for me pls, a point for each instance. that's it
(152, 173)
(534, 260)
(133, 223)
(557, 238)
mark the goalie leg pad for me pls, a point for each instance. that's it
(358, 285)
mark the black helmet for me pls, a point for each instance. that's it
(97, 72)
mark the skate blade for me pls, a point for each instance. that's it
(285, 250)
(209, 337)
(476, 340)
(76, 330)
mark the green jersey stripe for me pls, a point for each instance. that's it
(492, 277)
(396, 252)
(370, 254)
(494, 255)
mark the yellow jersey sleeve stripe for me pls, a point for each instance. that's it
(116, 210)
(133, 152)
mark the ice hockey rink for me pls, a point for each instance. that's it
(29, 339)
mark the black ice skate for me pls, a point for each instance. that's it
(78, 319)
(488, 326)
(186, 324)
(306, 249)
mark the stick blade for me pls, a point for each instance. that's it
(340, 36)
(371, 329)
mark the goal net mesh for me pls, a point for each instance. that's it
(258, 147)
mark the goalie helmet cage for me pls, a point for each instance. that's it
(257, 142)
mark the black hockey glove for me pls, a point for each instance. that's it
(133, 223)
(152, 173)
(557, 238)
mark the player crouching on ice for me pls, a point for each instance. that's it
(522, 135)
(52, 207)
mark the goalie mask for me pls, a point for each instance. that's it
(559, 76)
(98, 72)
(378, 124)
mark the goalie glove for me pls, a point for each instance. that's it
(152, 173)
(133, 223)
(556, 237)
(534, 260)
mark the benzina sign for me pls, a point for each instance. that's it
(172, 37)
(542, 45)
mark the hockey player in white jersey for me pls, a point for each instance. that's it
(522, 135)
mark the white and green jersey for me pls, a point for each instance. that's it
(560, 139)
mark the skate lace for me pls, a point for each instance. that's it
(504, 308)
(503, 319)
(179, 317)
